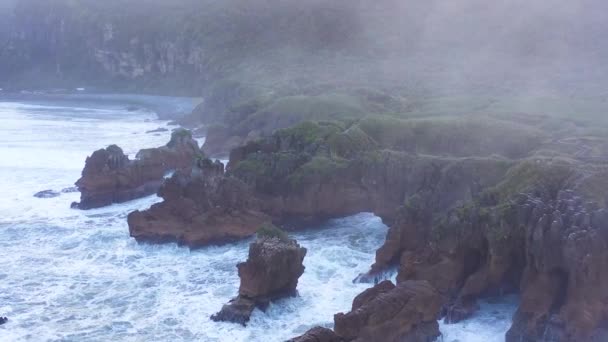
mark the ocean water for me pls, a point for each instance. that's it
(489, 325)
(70, 275)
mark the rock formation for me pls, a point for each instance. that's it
(546, 243)
(199, 208)
(318, 334)
(3, 320)
(466, 225)
(295, 175)
(272, 270)
(110, 177)
(388, 313)
(407, 312)
(564, 286)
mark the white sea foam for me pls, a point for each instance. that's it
(489, 325)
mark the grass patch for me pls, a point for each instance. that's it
(452, 136)
(319, 167)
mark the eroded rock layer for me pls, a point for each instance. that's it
(388, 313)
(109, 176)
(304, 174)
(272, 270)
(546, 243)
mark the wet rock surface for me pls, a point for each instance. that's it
(407, 311)
(158, 130)
(109, 176)
(271, 272)
(47, 194)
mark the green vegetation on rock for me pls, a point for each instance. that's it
(179, 135)
(270, 231)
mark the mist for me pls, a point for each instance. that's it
(337, 170)
(437, 46)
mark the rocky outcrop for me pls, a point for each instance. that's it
(318, 334)
(299, 175)
(388, 313)
(272, 270)
(547, 243)
(47, 194)
(3, 320)
(199, 208)
(406, 312)
(565, 284)
(109, 176)
(468, 226)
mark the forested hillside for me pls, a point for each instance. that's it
(185, 46)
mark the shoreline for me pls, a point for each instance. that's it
(165, 107)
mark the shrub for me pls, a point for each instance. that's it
(178, 135)
(270, 231)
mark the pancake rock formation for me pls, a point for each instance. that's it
(407, 311)
(272, 270)
(109, 176)
(199, 208)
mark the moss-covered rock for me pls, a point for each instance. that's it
(545, 177)
(318, 170)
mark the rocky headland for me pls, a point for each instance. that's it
(407, 311)
(474, 209)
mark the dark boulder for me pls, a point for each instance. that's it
(158, 130)
(47, 194)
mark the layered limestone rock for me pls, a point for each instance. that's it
(564, 287)
(385, 312)
(406, 312)
(466, 225)
(199, 208)
(109, 176)
(298, 174)
(546, 243)
(272, 270)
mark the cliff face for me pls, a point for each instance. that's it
(148, 44)
(187, 45)
(305, 173)
(96, 43)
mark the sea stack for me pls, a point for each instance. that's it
(271, 272)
